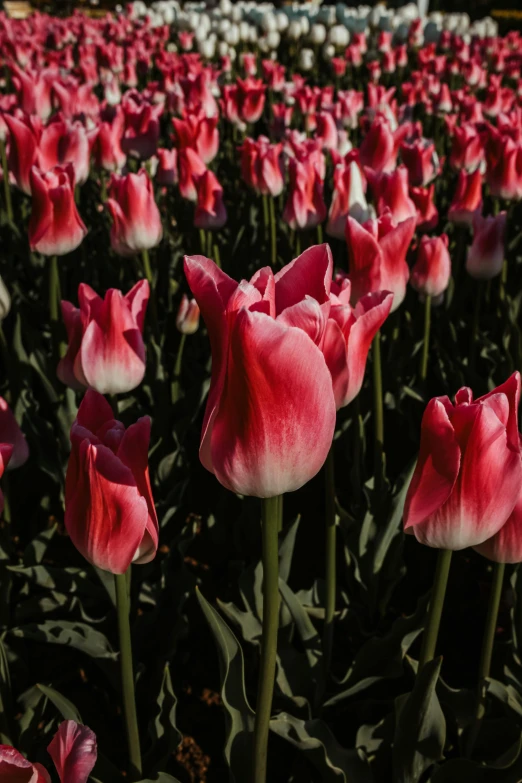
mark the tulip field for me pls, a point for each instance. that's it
(260, 344)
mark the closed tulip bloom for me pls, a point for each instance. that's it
(106, 351)
(191, 168)
(109, 510)
(250, 99)
(198, 132)
(469, 471)
(467, 200)
(261, 166)
(12, 435)
(349, 334)
(187, 319)
(421, 160)
(325, 131)
(377, 256)
(24, 136)
(34, 90)
(506, 545)
(504, 169)
(136, 218)
(210, 210)
(378, 150)
(348, 199)
(305, 207)
(6, 450)
(107, 150)
(432, 270)
(390, 191)
(270, 414)
(427, 212)
(55, 227)
(167, 171)
(142, 129)
(64, 142)
(467, 150)
(74, 751)
(486, 254)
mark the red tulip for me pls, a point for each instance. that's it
(274, 74)
(486, 254)
(377, 256)
(15, 767)
(34, 90)
(270, 414)
(200, 133)
(24, 136)
(305, 207)
(109, 511)
(261, 166)
(73, 750)
(136, 218)
(469, 471)
(348, 199)
(432, 270)
(64, 142)
(249, 63)
(504, 169)
(55, 227)
(6, 450)
(251, 99)
(210, 210)
(421, 160)
(187, 319)
(390, 191)
(12, 435)
(349, 334)
(467, 151)
(467, 201)
(325, 131)
(379, 147)
(167, 171)
(106, 351)
(191, 168)
(107, 150)
(427, 212)
(141, 126)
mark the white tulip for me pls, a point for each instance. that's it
(225, 6)
(317, 34)
(281, 21)
(295, 31)
(273, 40)
(306, 59)
(339, 36)
(269, 23)
(222, 48)
(232, 35)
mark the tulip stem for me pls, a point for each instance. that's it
(486, 653)
(267, 668)
(54, 301)
(273, 233)
(203, 241)
(7, 186)
(426, 343)
(176, 386)
(431, 630)
(264, 199)
(378, 412)
(127, 676)
(217, 257)
(148, 274)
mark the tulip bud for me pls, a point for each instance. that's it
(432, 270)
(306, 59)
(74, 751)
(348, 199)
(6, 450)
(467, 201)
(187, 320)
(471, 444)
(486, 254)
(12, 435)
(136, 218)
(55, 227)
(109, 510)
(106, 351)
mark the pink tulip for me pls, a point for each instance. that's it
(191, 168)
(34, 90)
(74, 751)
(348, 199)
(390, 191)
(486, 254)
(467, 151)
(469, 471)
(427, 212)
(305, 207)
(467, 200)
(136, 218)
(106, 351)
(107, 150)
(55, 227)
(15, 767)
(167, 171)
(421, 160)
(261, 166)
(187, 319)
(210, 210)
(270, 414)
(64, 142)
(432, 270)
(109, 510)
(198, 132)
(24, 137)
(12, 435)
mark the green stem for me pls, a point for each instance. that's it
(297, 243)
(267, 667)
(264, 199)
(378, 412)
(319, 234)
(330, 563)
(203, 241)
(176, 387)
(127, 676)
(426, 343)
(7, 186)
(217, 256)
(431, 630)
(486, 653)
(152, 299)
(55, 295)
(273, 233)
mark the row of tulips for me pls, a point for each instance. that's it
(413, 181)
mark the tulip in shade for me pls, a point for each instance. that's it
(64, 142)
(305, 207)
(427, 212)
(432, 270)
(270, 414)
(187, 319)
(11, 434)
(467, 151)
(421, 160)
(379, 147)
(109, 511)
(467, 201)
(107, 150)
(106, 351)
(74, 751)
(210, 210)
(24, 136)
(348, 199)
(261, 166)
(377, 256)
(6, 451)
(391, 191)
(167, 171)
(469, 471)
(349, 335)
(14, 767)
(191, 167)
(55, 227)
(486, 254)
(504, 169)
(136, 218)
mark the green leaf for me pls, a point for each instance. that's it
(420, 731)
(334, 763)
(6, 709)
(78, 635)
(240, 717)
(65, 707)
(36, 550)
(162, 729)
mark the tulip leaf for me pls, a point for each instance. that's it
(161, 777)
(420, 730)
(6, 709)
(65, 707)
(334, 763)
(162, 728)
(35, 551)
(240, 717)
(78, 635)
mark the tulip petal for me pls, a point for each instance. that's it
(94, 411)
(308, 316)
(11, 433)
(308, 275)
(73, 751)
(334, 350)
(17, 769)
(138, 298)
(276, 415)
(437, 466)
(511, 388)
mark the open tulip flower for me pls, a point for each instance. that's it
(109, 510)
(136, 218)
(55, 227)
(270, 414)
